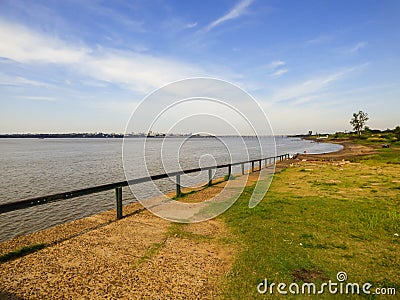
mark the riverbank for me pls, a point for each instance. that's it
(323, 214)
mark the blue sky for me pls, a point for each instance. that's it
(83, 66)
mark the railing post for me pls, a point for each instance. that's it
(209, 177)
(118, 196)
(242, 169)
(229, 171)
(252, 166)
(259, 164)
(265, 163)
(178, 185)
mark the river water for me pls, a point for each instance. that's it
(37, 167)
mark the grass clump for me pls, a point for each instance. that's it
(25, 250)
(229, 177)
(150, 253)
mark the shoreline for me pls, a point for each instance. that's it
(140, 244)
(61, 232)
(349, 150)
(58, 233)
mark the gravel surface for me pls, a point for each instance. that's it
(100, 258)
(137, 257)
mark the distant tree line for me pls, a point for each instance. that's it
(62, 135)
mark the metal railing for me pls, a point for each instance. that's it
(12, 206)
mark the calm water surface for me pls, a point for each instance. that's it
(36, 167)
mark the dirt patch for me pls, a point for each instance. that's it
(349, 151)
(201, 196)
(209, 228)
(68, 230)
(183, 269)
(305, 275)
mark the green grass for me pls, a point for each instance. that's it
(331, 219)
(184, 194)
(150, 253)
(175, 230)
(25, 250)
(229, 177)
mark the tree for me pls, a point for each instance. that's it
(397, 132)
(358, 121)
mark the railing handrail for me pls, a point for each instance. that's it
(16, 205)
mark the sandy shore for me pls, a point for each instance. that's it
(349, 150)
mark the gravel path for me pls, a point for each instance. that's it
(138, 257)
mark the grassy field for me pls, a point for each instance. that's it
(317, 219)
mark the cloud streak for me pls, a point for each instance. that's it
(311, 89)
(20, 81)
(277, 68)
(279, 72)
(357, 47)
(37, 98)
(136, 71)
(234, 13)
(190, 25)
(133, 70)
(25, 45)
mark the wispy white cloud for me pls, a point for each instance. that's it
(25, 45)
(137, 71)
(357, 47)
(125, 19)
(37, 98)
(20, 81)
(276, 64)
(191, 25)
(279, 72)
(311, 89)
(122, 107)
(234, 13)
(320, 39)
(276, 68)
